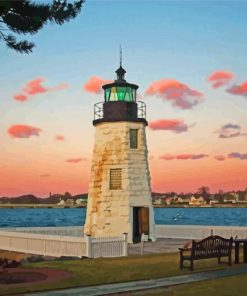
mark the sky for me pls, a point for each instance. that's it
(189, 60)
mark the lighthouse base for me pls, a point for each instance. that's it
(122, 204)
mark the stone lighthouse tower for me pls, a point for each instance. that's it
(119, 199)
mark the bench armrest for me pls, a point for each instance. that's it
(184, 249)
(181, 250)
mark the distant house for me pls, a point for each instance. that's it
(70, 202)
(81, 201)
(231, 197)
(196, 201)
(235, 196)
(61, 202)
(169, 200)
(213, 202)
(182, 200)
(157, 201)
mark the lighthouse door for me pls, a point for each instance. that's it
(140, 223)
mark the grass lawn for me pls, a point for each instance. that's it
(229, 286)
(87, 272)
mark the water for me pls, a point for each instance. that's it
(170, 216)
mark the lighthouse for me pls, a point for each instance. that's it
(119, 197)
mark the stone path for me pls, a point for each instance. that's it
(161, 245)
(145, 284)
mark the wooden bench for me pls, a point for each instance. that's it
(211, 247)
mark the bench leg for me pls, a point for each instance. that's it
(191, 265)
(181, 260)
(181, 263)
(230, 260)
(219, 258)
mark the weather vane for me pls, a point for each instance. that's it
(120, 53)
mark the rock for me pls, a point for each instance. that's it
(23, 261)
(63, 258)
(12, 264)
(33, 259)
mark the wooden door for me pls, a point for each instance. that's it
(144, 224)
(140, 223)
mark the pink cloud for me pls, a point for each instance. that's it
(220, 78)
(59, 138)
(175, 125)
(183, 156)
(75, 160)
(177, 93)
(191, 156)
(45, 175)
(20, 97)
(229, 130)
(23, 131)
(35, 87)
(241, 156)
(167, 157)
(220, 157)
(239, 90)
(94, 84)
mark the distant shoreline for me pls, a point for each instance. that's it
(203, 206)
(55, 206)
(39, 206)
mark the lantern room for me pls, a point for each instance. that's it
(120, 102)
(120, 90)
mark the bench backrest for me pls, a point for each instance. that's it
(211, 246)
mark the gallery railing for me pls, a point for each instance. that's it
(99, 110)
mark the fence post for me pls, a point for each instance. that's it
(10, 245)
(125, 246)
(89, 246)
(212, 232)
(44, 253)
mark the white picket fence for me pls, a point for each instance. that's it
(69, 241)
(76, 231)
(102, 246)
(57, 246)
(199, 231)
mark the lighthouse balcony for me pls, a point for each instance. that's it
(119, 111)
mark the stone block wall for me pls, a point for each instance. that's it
(109, 212)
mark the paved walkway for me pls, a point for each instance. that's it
(161, 245)
(145, 284)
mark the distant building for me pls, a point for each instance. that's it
(157, 201)
(182, 200)
(213, 202)
(81, 201)
(196, 201)
(169, 200)
(231, 197)
(61, 202)
(70, 202)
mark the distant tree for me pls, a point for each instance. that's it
(204, 192)
(25, 16)
(67, 195)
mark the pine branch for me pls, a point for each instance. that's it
(24, 17)
(61, 11)
(19, 24)
(22, 46)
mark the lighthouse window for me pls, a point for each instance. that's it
(120, 93)
(133, 138)
(107, 94)
(115, 179)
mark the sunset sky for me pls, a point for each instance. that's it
(189, 60)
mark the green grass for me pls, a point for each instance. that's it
(228, 286)
(89, 272)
